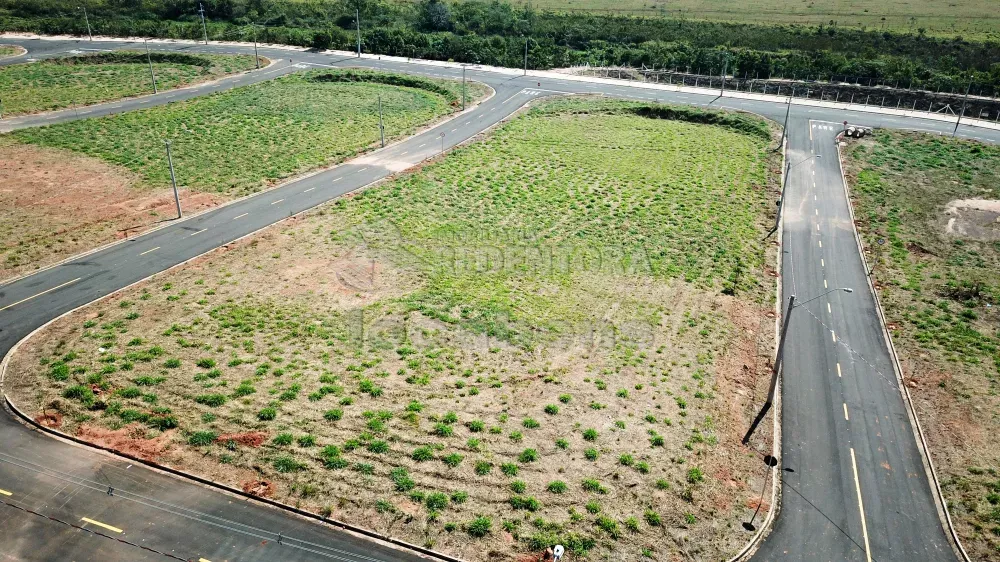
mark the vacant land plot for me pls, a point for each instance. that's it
(68, 188)
(932, 201)
(969, 18)
(550, 336)
(74, 81)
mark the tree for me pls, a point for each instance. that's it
(435, 16)
(322, 40)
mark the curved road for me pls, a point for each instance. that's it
(854, 487)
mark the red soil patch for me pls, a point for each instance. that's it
(130, 440)
(259, 488)
(249, 439)
(49, 419)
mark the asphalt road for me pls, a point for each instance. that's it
(846, 436)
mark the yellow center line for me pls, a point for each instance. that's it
(6, 493)
(204, 560)
(861, 507)
(278, 201)
(199, 232)
(241, 216)
(838, 370)
(99, 524)
(40, 294)
(148, 251)
(846, 417)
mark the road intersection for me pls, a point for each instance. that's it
(854, 484)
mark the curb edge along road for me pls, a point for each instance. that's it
(966, 121)
(918, 433)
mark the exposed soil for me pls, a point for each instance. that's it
(248, 439)
(259, 488)
(978, 219)
(55, 203)
(52, 419)
(131, 440)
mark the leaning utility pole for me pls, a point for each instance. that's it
(784, 128)
(357, 21)
(463, 87)
(774, 373)
(173, 180)
(87, 19)
(381, 125)
(204, 28)
(152, 76)
(964, 101)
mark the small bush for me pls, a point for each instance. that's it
(530, 423)
(609, 526)
(421, 454)
(480, 526)
(652, 518)
(483, 468)
(552, 409)
(476, 426)
(212, 400)
(267, 414)
(453, 460)
(378, 447)
(662, 484)
(287, 463)
(695, 475)
(449, 418)
(591, 454)
(306, 441)
(436, 501)
(590, 434)
(592, 485)
(528, 455)
(444, 430)
(206, 363)
(331, 458)
(282, 439)
(333, 415)
(593, 507)
(565, 398)
(509, 469)
(562, 443)
(459, 497)
(557, 487)
(518, 486)
(401, 478)
(172, 363)
(526, 503)
(626, 460)
(202, 438)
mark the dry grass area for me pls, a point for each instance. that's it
(485, 392)
(931, 200)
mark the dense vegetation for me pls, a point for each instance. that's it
(939, 277)
(495, 33)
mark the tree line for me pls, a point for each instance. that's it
(495, 32)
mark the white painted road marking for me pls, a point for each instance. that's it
(241, 216)
(861, 506)
(199, 232)
(838, 370)
(846, 417)
(40, 294)
(278, 201)
(148, 251)
(308, 190)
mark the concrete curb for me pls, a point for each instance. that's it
(918, 432)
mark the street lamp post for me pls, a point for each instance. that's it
(173, 180)
(204, 28)
(149, 61)
(256, 57)
(788, 109)
(781, 198)
(778, 359)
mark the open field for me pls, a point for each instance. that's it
(933, 202)
(58, 83)
(552, 335)
(968, 18)
(70, 187)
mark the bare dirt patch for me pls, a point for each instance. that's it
(978, 219)
(259, 488)
(55, 203)
(132, 440)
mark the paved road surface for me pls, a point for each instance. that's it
(832, 457)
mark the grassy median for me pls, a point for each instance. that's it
(553, 335)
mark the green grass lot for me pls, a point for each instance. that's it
(238, 142)
(9, 50)
(968, 18)
(941, 292)
(538, 338)
(74, 81)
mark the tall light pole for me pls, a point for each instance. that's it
(357, 22)
(204, 28)
(965, 100)
(725, 68)
(525, 56)
(86, 18)
(256, 57)
(778, 359)
(152, 76)
(781, 198)
(381, 125)
(173, 180)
